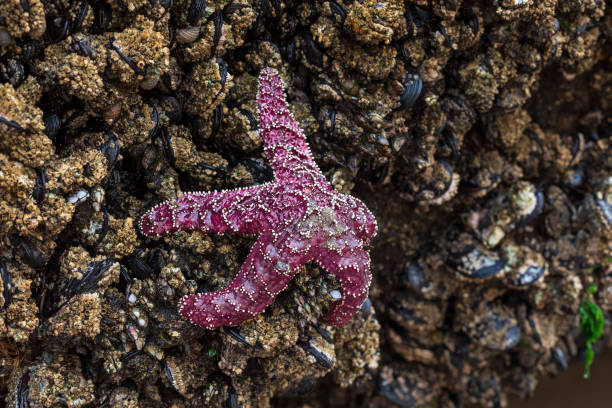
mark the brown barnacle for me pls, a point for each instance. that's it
(187, 35)
(79, 317)
(58, 382)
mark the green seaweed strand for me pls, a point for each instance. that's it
(591, 325)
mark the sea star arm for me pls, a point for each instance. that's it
(241, 211)
(352, 268)
(285, 143)
(267, 270)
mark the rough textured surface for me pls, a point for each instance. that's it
(299, 218)
(478, 132)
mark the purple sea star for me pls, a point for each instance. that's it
(299, 218)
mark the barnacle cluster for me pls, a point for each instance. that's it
(478, 132)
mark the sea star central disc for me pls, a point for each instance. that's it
(299, 218)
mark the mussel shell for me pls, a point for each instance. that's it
(536, 211)
(89, 282)
(412, 86)
(196, 11)
(338, 10)
(218, 21)
(6, 284)
(52, 124)
(28, 251)
(39, 188)
(477, 265)
(83, 48)
(77, 23)
(217, 120)
(314, 54)
(528, 276)
(324, 360)
(110, 149)
(558, 357)
(603, 200)
(253, 124)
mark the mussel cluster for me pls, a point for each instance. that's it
(478, 131)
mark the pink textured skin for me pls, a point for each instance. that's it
(299, 218)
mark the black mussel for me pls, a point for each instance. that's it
(110, 148)
(155, 118)
(77, 23)
(139, 268)
(58, 29)
(261, 171)
(12, 72)
(604, 206)
(28, 251)
(288, 52)
(338, 10)
(29, 49)
(196, 11)
(477, 263)
(366, 308)
(536, 210)
(103, 15)
(232, 400)
(125, 58)
(23, 398)
(217, 120)
(217, 17)
(89, 282)
(39, 188)
(25, 5)
(314, 54)
(124, 279)
(234, 334)
(164, 135)
(471, 20)
(253, 124)
(173, 108)
(83, 48)
(7, 284)
(531, 274)
(133, 353)
(52, 124)
(322, 358)
(412, 87)
(105, 225)
(558, 357)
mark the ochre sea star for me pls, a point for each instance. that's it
(299, 218)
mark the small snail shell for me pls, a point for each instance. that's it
(187, 35)
(149, 82)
